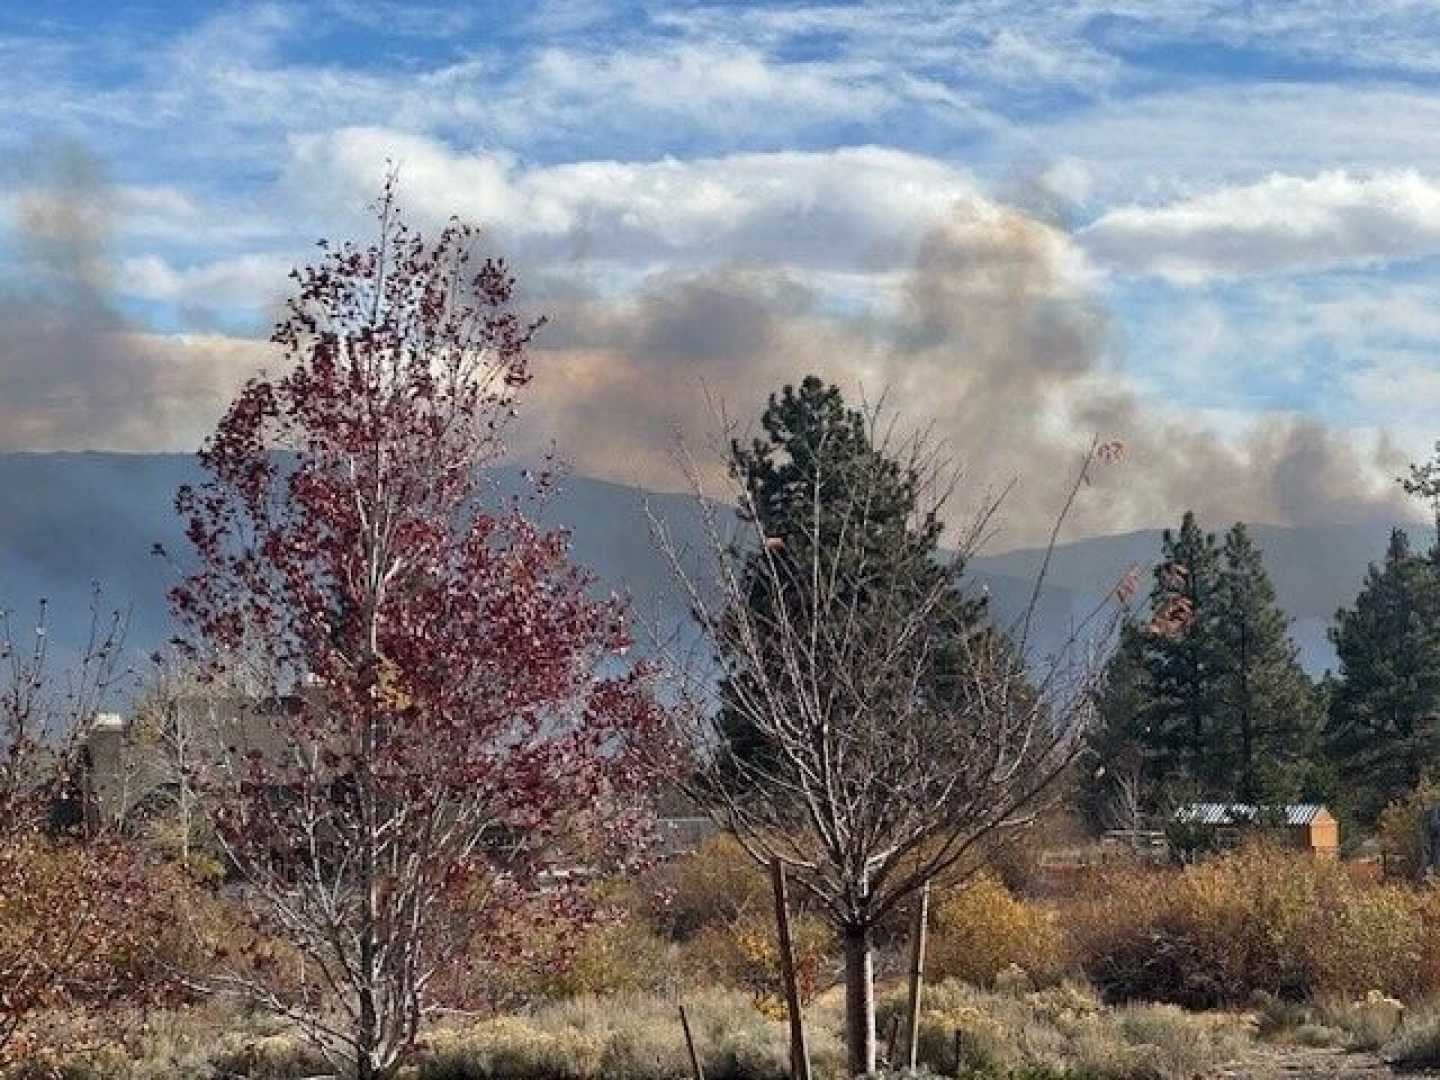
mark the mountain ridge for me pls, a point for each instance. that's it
(70, 519)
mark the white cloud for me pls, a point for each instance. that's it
(243, 281)
(852, 209)
(1400, 386)
(1282, 224)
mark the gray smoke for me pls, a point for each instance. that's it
(990, 337)
(75, 373)
(1018, 367)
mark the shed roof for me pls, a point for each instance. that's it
(1214, 813)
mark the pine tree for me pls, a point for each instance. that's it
(1267, 707)
(1185, 661)
(817, 465)
(1209, 698)
(1382, 727)
(1118, 781)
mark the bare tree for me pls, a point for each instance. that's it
(883, 744)
(177, 735)
(59, 888)
(1126, 805)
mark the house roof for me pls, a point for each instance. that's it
(1214, 813)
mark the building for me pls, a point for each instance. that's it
(127, 770)
(1306, 827)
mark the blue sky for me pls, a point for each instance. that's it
(1227, 216)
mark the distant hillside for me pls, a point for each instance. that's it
(70, 519)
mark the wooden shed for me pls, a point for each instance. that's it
(1303, 826)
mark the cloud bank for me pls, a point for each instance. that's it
(1283, 224)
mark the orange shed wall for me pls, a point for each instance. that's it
(1325, 837)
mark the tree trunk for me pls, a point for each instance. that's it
(859, 1000)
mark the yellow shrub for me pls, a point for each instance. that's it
(1257, 920)
(746, 955)
(979, 930)
(1370, 940)
(611, 958)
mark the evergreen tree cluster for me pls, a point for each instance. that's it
(1383, 734)
(1205, 697)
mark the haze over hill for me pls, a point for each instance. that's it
(69, 521)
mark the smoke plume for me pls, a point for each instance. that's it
(75, 372)
(995, 335)
(996, 338)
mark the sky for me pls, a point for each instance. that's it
(1208, 230)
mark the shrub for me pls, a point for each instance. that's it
(181, 1043)
(1063, 1031)
(745, 955)
(1256, 921)
(631, 1037)
(1368, 1023)
(96, 924)
(272, 1057)
(1320, 1036)
(717, 884)
(611, 958)
(1366, 939)
(1402, 830)
(1417, 1044)
(981, 930)
(1276, 1017)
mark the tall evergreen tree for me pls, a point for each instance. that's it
(816, 465)
(1185, 660)
(1382, 728)
(1268, 706)
(1118, 778)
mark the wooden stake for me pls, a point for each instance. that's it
(917, 973)
(894, 1041)
(699, 1073)
(957, 1051)
(799, 1052)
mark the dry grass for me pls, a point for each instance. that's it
(1417, 1044)
(628, 1037)
(1060, 1031)
(1066, 1028)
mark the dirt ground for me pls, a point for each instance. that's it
(1304, 1063)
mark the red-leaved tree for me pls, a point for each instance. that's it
(461, 694)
